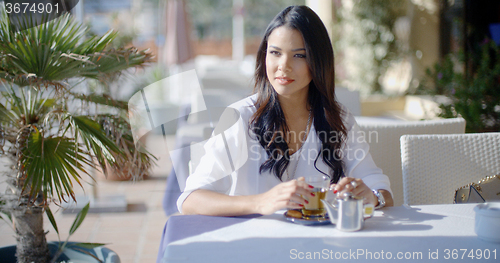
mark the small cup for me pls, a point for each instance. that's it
(487, 225)
(314, 207)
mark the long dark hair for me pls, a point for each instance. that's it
(268, 122)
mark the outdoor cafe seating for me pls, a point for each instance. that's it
(427, 227)
(412, 229)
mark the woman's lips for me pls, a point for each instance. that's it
(284, 80)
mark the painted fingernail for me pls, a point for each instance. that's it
(310, 186)
(335, 191)
(307, 202)
(312, 194)
(301, 205)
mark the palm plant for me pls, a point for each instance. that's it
(48, 137)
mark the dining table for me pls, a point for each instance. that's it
(420, 233)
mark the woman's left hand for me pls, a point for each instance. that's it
(357, 187)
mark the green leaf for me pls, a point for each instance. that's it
(79, 219)
(51, 164)
(95, 139)
(6, 115)
(52, 221)
(55, 51)
(88, 245)
(102, 100)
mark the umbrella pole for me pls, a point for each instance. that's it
(238, 30)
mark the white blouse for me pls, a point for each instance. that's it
(233, 157)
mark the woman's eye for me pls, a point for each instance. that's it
(300, 55)
(274, 52)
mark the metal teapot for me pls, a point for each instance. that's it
(348, 212)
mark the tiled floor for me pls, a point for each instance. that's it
(134, 235)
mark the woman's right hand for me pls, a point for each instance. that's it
(287, 195)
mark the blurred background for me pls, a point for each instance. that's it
(384, 50)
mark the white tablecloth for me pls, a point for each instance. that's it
(419, 233)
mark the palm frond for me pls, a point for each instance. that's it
(94, 139)
(6, 115)
(102, 100)
(27, 106)
(54, 51)
(51, 164)
(134, 162)
(115, 60)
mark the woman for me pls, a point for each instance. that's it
(291, 127)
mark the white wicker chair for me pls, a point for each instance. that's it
(383, 139)
(434, 166)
